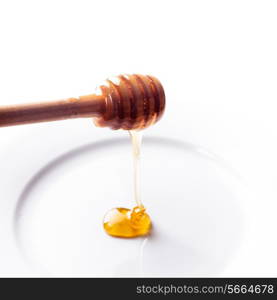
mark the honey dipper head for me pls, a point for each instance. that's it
(132, 102)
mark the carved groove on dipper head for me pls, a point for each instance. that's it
(132, 102)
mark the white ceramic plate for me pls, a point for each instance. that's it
(59, 189)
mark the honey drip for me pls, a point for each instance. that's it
(124, 222)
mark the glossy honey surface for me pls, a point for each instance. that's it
(127, 223)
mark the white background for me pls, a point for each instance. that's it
(218, 64)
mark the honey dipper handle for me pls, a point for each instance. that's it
(82, 107)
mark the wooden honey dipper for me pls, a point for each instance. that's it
(127, 102)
